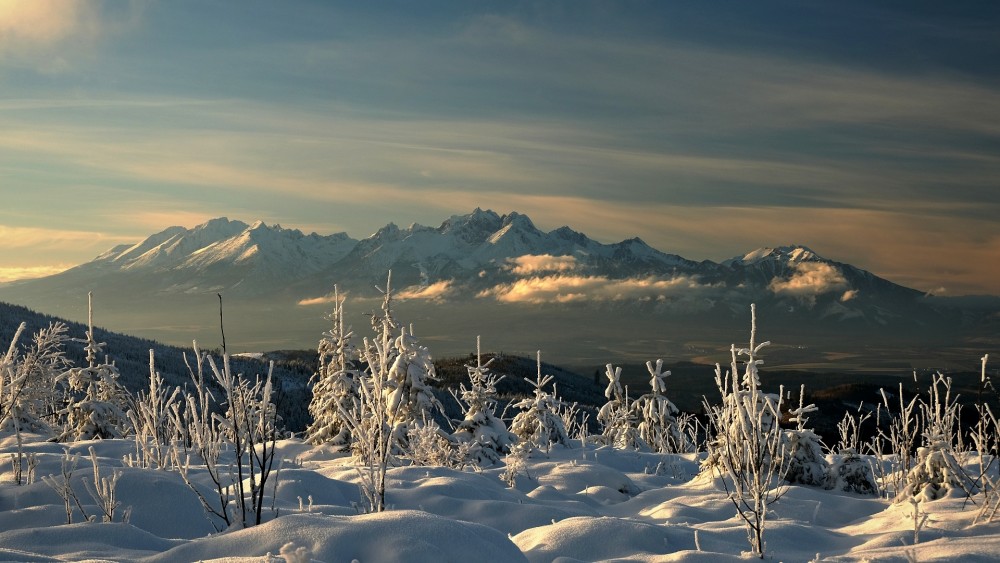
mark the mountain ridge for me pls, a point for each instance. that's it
(477, 262)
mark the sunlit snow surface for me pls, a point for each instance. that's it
(572, 505)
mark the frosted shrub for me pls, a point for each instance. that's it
(538, 424)
(150, 415)
(657, 415)
(617, 417)
(30, 388)
(516, 463)
(335, 395)
(899, 438)
(851, 473)
(247, 431)
(936, 471)
(429, 445)
(747, 447)
(486, 434)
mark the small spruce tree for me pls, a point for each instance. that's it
(486, 433)
(99, 411)
(335, 395)
(539, 425)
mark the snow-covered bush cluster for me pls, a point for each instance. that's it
(373, 403)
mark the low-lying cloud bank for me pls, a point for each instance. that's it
(569, 289)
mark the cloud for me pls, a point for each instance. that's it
(810, 280)
(8, 274)
(47, 35)
(40, 237)
(536, 264)
(43, 22)
(848, 295)
(437, 291)
(569, 289)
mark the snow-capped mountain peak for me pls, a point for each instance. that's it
(789, 254)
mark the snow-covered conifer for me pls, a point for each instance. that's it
(99, 410)
(486, 433)
(806, 464)
(657, 415)
(335, 395)
(410, 399)
(617, 416)
(937, 471)
(539, 424)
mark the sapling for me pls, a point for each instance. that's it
(103, 490)
(748, 447)
(538, 424)
(63, 486)
(617, 416)
(806, 463)
(486, 434)
(657, 415)
(99, 411)
(937, 471)
(335, 384)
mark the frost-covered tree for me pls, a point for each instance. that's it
(486, 433)
(747, 446)
(806, 463)
(410, 399)
(937, 471)
(617, 417)
(539, 424)
(30, 389)
(393, 397)
(335, 395)
(657, 415)
(99, 409)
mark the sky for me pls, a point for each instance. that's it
(867, 131)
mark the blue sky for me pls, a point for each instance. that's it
(867, 131)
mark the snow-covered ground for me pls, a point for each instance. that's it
(574, 504)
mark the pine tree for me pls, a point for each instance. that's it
(487, 434)
(410, 400)
(335, 396)
(100, 410)
(617, 416)
(539, 425)
(657, 415)
(806, 463)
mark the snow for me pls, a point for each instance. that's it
(574, 504)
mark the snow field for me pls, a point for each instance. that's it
(593, 504)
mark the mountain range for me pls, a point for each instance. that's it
(488, 268)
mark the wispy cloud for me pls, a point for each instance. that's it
(435, 292)
(8, 274)
(40, 237)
